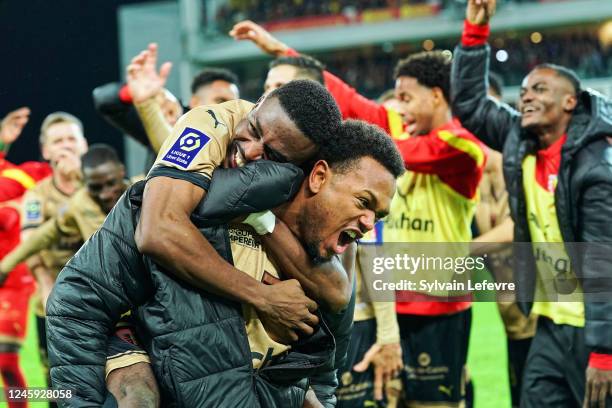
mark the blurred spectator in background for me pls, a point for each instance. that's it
(285, 69)
(263, 12)
(17, 284)
(212, 86)
(62, 144)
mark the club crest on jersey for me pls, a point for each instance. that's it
(186, 147)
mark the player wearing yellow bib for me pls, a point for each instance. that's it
(558, 172)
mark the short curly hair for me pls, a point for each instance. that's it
(430, 68)
(208, 75)
(311, 107)
(356, 139)
(307, 67)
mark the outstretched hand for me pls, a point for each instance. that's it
(12, 125)
(248, 30)
(143, 79)
(479, 12)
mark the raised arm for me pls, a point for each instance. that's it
(113, 102)
(144, 84)
(351, 103)
(482, 115)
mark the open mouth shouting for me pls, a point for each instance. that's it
(345, 238)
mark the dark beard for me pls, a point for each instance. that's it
(305, 225)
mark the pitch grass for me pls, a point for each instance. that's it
(486, 362)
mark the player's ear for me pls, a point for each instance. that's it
(318, 176)
(122, 171)
(438, 95)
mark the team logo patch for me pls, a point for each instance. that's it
(347, 378)
(186, 147)
(33, 210)
(424, 359)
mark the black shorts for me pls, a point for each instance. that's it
(355, 389)
(434, 350)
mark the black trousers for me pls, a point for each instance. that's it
(556, 365)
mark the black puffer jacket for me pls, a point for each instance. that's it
(583, 197)
(197, 341)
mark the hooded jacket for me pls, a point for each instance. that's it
(583, 197)
(197, 341)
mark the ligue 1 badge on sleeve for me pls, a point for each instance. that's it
(186, 147)
(33, 210)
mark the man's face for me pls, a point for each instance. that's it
(218, 91)
(343, 206)
(396, 105)
(279, 76)
(545, 99)
(268, 133)
(418, 104)
(63, 139)
(105, 184)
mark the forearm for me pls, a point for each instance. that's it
(327, 283)
(156, 126)
(485, 117)
(182, 250)
(134, 386)
(494, 240)
(387, 329)
(41, 238)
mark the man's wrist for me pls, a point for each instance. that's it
(125, 95)
(252, 294)
(600, 361)
(290, 52)
(474, 34)
(281, 50)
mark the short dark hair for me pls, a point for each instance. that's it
(98, 154)
(564, 72)
(307, 66)
(311, 107)
(356, 139)
(208, 75)
(496, 82)
(430, 68)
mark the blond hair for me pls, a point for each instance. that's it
(55, 118)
